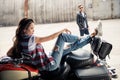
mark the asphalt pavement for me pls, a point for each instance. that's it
(111, 33)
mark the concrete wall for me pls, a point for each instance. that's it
(47, 11)
(89, 8)
(42, 11)
(50, 11)
(11, 11)
(103, 9)
(115, 8)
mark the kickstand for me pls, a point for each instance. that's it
(111, 70)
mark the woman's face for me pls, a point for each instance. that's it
(30, 29)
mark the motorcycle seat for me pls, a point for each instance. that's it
(80, 58)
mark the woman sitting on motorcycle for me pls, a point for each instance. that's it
(26, 42)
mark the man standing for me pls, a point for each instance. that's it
(82, 21)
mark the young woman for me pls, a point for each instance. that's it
(26, 42)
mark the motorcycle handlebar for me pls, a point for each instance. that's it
(26, 58)
(17, 61)
(4, 62)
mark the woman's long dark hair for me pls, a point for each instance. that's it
(23, 24)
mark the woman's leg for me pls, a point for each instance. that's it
(58, 49)
(78, 44)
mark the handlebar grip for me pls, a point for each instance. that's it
(4, 62)
(19, 61)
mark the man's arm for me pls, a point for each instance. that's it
(78, 21)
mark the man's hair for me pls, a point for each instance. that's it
(79, 6)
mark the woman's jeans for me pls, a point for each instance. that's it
(59, 52)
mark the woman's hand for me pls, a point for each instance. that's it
(66, 31)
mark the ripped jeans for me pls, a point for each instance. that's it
(59, 51)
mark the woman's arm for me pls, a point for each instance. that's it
(50, 37)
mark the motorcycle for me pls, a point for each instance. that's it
(77, 65)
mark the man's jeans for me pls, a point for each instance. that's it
(76, 43)
(84, 31)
